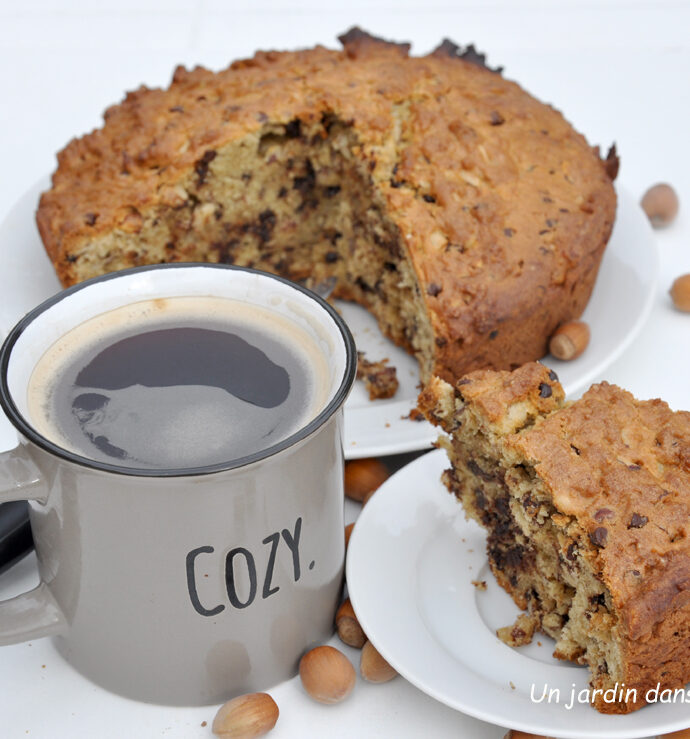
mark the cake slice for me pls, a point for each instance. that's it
(586, 506)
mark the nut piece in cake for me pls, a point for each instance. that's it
(586, 506)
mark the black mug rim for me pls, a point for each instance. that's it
(28, 431)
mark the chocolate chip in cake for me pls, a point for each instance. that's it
(201, 165)
(364, 285)
(429, 198)
(480, 499)
(508, 232)
(604, 514)
(332, 190)
(306, 183)
(496, 119)
(476, 470)
(553, 376)
(493, 334)
(440, 341)
(598, 600)
(637, 521)
(90, 218)
(293, 128)
(264, 228)
(332, 256)
(545, 390)
(433, 289)
(598, 536)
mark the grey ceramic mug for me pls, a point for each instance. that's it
(185, 586)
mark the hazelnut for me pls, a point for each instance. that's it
(246, 716)
(373, 667)
(132, 222)
(368, 497)
(173, 196)
(660, 203)
(348, 534)
(680, 293)
(570, 340)
(327, 674)
(347, 626)
(363, 476)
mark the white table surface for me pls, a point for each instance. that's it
(618, 68)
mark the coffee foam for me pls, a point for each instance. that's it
(175, 311)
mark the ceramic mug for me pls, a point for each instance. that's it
(182, 587)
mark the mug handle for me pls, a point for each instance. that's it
(36, 613)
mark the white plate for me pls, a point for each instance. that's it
(410, 563)
(619, 305)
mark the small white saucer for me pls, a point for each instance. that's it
(410, 566)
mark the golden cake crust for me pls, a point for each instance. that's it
(503, 208)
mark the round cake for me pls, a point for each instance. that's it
(467, 216)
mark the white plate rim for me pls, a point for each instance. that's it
(381, 427)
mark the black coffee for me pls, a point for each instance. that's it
(178, 386)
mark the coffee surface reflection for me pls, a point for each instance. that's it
(177, 383)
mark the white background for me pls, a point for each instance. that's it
(619, 69)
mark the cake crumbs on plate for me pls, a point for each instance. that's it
(519, 633)
(379, 379)
(479, 584)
